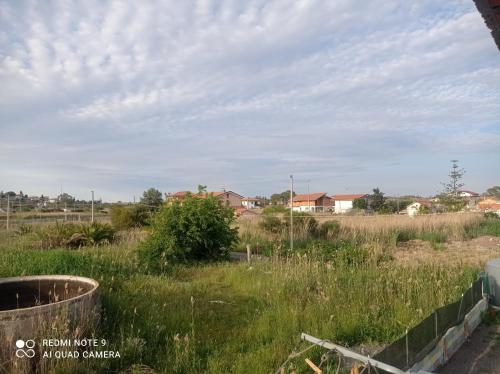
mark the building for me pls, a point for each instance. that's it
(226, 198)
(417, 207)
(343, 203)
(465, 193)
(489, 205)
(472, 198)
(312, 202)
(250, 202)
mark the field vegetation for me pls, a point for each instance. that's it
(340, 283)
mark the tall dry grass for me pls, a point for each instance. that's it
(376, 230)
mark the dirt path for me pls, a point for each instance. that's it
(473, 252)
(481, 354)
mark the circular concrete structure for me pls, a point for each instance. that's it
(28, 305)
(492, 267)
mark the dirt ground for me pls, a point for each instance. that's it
(481, 354)
(474, 252)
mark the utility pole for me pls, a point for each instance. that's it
(92, 219)
(291, 212)
(8, 204)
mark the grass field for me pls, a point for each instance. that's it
(236, 317)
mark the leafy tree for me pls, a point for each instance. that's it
(281, 198)
(450, 196)
(202, 188)
(152, 198)
(66, 198)
(377, 200)
(275, 209)
(125, 217)
(196, 229)
(493, 191)
(360, 203)
(394, 205)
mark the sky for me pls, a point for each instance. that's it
(120, 96)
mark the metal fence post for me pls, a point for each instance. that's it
(436, 322)
(460, 308)
(407, 353)
(8, 207)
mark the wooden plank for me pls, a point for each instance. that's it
(316, 369)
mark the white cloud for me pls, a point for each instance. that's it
(274, 85)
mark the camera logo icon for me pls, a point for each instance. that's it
(25, 348)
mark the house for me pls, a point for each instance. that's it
(312, 202)
(416, 207)
(465, 193)
(343, 203)
(472, 198)
(226, 198)
(249, 202)
(489, 205)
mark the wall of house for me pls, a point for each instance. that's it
(413, 209)
(248, 204)
(343, 206)
(230, 199)
(304, 208)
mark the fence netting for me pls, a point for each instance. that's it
(418, 341)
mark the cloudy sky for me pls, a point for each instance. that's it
(120, 96)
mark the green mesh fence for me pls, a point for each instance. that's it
(417, 342)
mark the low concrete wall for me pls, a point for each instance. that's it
(452, 340)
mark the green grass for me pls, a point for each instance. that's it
(236, 318)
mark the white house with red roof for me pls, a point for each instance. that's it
(343, 203)
(249, 202)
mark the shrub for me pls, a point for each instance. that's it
(491, 215)
(126, 217)
(194, 229)
(74, 235)
(274, 209)
(271, 224)
(98, 233)
(350, 255)
(404, 235)
(56, 235)
(329, 230)
(304, 226)
(24, 229)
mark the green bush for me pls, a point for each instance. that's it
(271, 224)
(24, 229)
(491, 215)
(403, 235)
(73, 235)
(56, 235)
(274, 209)
(194, 229)
(126, 217)
(350, 255)
(329, 230)
(304, 226)
(98, 233)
